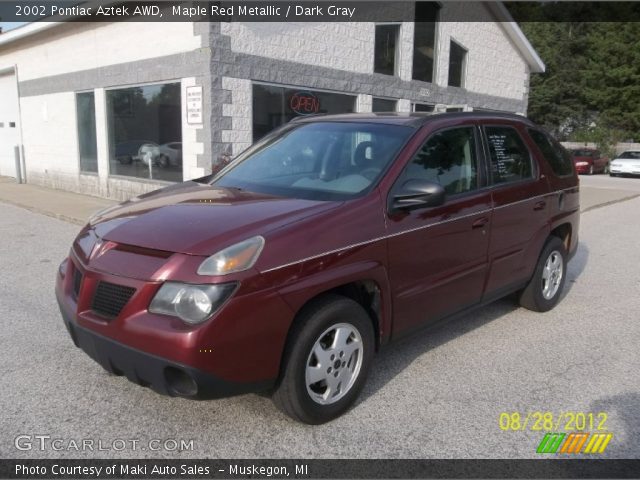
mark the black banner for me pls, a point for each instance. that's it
(310, 469)
(310, 11)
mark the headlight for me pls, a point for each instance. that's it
(236, 258)
(191, 303)
(582, 164)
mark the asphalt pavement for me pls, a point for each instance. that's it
(438, 394)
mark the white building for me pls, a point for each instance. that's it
(109, 109)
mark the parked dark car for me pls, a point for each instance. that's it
(589, 161)
(288, 269)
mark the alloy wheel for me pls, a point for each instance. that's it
(552, 275)
(334, 363)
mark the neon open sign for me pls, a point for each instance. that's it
(304, 103)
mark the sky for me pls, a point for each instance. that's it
(6, 26)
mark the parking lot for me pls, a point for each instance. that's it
(438, 394)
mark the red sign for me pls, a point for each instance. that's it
(304, 103)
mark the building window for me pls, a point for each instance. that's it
(423, 107)
(145, 132)
(510, 158)
(457, 61)
(383, 105)
(424, 40)
(274, 106)
(449, 159)
(386, 44)
(87, 143)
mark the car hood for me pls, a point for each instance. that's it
(631, 161)
(199, 219)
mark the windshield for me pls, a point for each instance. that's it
(319, 161)
(635, 155)
(583, 153)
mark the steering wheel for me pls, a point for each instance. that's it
(370, 173)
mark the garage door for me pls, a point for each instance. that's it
(9, 123)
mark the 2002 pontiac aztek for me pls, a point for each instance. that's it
(290, 267)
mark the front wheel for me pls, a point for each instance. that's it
(328, 357)
(544, 289)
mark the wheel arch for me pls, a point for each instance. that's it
(564, 232)
(371, 292)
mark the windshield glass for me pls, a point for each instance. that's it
(583, 153)
(635, 155)
(319, 161)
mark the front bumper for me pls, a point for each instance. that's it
(625, 170)
(163, 376)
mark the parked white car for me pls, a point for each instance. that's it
(168, 154)
(627, 163)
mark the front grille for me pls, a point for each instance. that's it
(77, 280)
(110, 299)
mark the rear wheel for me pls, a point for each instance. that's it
(544, 289)
(327, 360)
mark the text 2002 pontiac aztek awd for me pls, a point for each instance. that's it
(289, 268)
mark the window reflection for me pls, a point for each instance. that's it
(449, 159)
(145, 132)
(87, 144)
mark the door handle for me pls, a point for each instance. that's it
(540, 205)
(480, 223)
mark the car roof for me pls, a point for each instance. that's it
(415, 119)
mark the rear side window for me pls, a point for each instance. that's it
(556, 155)
(510, 158)
(447, 158)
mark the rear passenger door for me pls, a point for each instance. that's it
(520, 208)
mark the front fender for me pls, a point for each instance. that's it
(320, 275)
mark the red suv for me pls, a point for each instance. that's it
(288, 269)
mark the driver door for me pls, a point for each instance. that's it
(438, 256)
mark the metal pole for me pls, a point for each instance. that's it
(16, 152)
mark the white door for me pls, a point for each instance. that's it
(9, 123)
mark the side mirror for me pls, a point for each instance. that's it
(417, 193)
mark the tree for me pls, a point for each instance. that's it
(591, 88)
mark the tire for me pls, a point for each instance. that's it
(315, 329)
(163, 161)
(536, 296)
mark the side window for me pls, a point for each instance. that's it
(510, 158)
(448, 158)
(558, 158)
